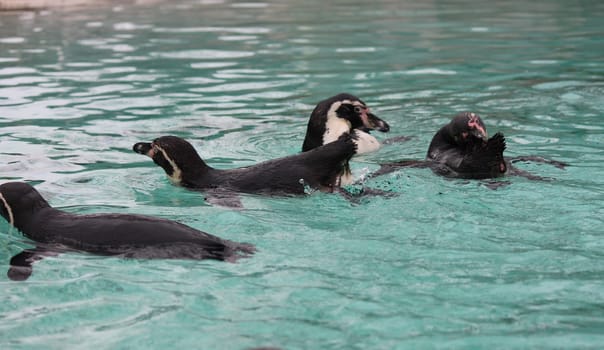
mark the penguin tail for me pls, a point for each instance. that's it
(236, 251)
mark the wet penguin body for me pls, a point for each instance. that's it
(317, 169)
(462, 149)
(133, 236)
(343, 114)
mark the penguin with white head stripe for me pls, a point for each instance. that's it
(340, 114)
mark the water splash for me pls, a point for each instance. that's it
(307, 188)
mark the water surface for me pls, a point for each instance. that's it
(445, 264)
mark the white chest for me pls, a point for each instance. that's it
(366, 143)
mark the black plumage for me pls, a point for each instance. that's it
(462, 149)
(126, 235)
(317, 169)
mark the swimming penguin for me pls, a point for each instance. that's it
(340, 114)
(125, 235)
(462, 149)
(319, 168)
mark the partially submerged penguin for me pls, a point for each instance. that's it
(125, 235)
(462, 149)
(340, 114)
(343, 114)
(319, 168)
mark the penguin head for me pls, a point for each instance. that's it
(176, 156)
(337, 115)
(18, 201)
(467, 128)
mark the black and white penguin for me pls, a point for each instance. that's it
(125, 235)
(462, 149)
(319, 168)
(343, 114)
(340, 114)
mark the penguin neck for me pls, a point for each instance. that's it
(365, 142)
(334, 128)
(186, 172)
(313, 138)
(443, 139)
(194, 175)
(29, 221)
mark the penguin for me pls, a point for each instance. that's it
(343, 114)
(339, 114)
(462, 149)
(319, 168)
(125, 235)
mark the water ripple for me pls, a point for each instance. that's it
(243, 30)
(203, 54)
(440, 263)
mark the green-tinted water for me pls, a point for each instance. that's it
(447, 264)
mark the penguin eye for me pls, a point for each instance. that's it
(357, 109)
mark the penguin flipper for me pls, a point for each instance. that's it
(386, 168)
(21, 264)
(523, 173)
(537, 159)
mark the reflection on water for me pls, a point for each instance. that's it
(446, 263)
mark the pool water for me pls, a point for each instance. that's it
(443, 264)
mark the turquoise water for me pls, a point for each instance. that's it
(445, 264)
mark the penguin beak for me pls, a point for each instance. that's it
(477, 129)
(144, 148)
(372, 122)
(480, 133)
